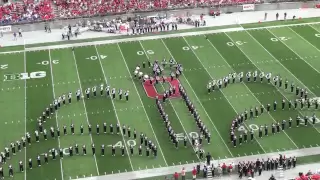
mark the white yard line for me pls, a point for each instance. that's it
(184, 129)
(56, 113)
(200, 103)
(114, 107)
(311, 25)
(294, 51)
(25, 112)
(304, 38)
(252, 92)
(285, 69)
(144, 109)
(84, 105)
(172, 169)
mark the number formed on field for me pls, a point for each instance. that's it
(93, 58)
(275, 39)
(254, 127)
(140, 53)
(187, 48)
(317, 35)
(239, 43)
(119, 144)
(4, 66)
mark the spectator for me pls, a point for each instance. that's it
(194, 173)
(176, 176)
(183, 174)
(230, 168)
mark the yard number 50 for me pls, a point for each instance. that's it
(239, 43)
(140, 53)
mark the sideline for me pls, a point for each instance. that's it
(132, 39)
(172, 169)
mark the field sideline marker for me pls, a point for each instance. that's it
(144, 109)
(56, 114)
(84, 105)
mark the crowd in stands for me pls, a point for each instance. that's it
(33, 10)
(27, 10)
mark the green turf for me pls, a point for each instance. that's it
(11, 48)
(290, 52)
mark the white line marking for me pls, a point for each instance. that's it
(56, 113)
(114, 107)
(144, 109)
(84, 105)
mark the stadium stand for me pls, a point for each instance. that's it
(35, 10)
(27, 11)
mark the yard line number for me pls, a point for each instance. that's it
(186, 48)
(275, 39)
(64, 150)
(254, 127)
(239, 43)
(93, 58)
(45, 63)
(180, 136)
(119, 144)
(140, 53)
(317, 35)
(4, 66)
(310, 121)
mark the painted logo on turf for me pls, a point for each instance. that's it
(25, 76)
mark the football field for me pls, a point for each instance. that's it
(32, 79)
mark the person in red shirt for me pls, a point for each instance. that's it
(230, 168)
(176, 176)
(194, 173)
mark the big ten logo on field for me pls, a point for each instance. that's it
(25, 76)
(151, 91)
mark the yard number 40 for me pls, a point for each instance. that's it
(275, 39)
